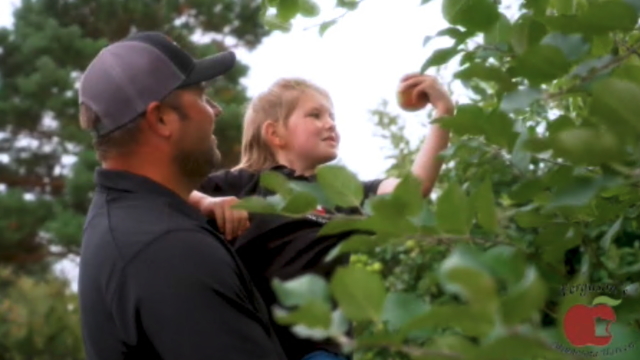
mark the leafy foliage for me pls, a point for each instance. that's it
(539, 193)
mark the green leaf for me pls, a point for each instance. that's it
(452, 344)
(275, 182)
(588, 146)
(525, 190)
(360, 293)
(476, 15)
(506, 263)
(488, 73)
(537, 7)
(348, 4)
(407, 196)
(564, 7)
(542, 63)
(468, 120)
(520, 157)
(500, 33)
(573, 46)
(513, 345)
(603, 299)
(358, 243)
(452, 32)
(560, 123)
(498, 128)
(531, 219)
(426, 219)
(462, 273)
(309, 8)
(525, 300)
(520, 99)
(555, 240)
(453, 212)
(322, 29)
(391, 216)
(485, 207)
(635, 4)
(526, 32)
(471, 321)
(606, 16)
(314, 314)
(629, 72)
(427, 39)
(274, 23)
(341, 186)
(615, 103)
(401, 308)
(287, 9)
(580, 191)
(301, 290)
(440, 57)
(340, 225)
(256, 204)
(299, 203)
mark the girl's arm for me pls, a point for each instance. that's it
(217, 194)
(426, 167)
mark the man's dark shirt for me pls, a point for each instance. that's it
(157, 283)
(280, 247)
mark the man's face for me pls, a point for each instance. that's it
(196, 152)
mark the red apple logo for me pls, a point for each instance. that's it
(580, 322)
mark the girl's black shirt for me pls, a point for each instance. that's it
(281, 247)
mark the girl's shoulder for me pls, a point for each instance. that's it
(234, 182)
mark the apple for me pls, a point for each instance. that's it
(411, 100)
(580, 325)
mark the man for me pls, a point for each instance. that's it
(155, 281)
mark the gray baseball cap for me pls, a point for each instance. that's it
(126, 76)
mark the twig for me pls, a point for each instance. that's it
(595, 72)
(332, 20)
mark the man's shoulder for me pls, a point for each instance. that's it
(131, 222)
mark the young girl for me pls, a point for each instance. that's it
(291, 129)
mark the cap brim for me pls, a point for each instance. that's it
(210, 68)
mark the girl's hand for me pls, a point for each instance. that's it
(427, 88)
(231, 222)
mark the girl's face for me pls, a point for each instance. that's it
(311, 137)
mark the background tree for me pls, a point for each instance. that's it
(539, 193)
(48, 178)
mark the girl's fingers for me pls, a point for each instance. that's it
(229, 228)
(220, 218)
(408, 84)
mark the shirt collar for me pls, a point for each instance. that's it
(137, 184)
(290, 173)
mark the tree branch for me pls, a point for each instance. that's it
(595, 72)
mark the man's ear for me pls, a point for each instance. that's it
(272, 133)
(155, 118)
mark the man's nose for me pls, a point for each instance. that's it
(217, 110)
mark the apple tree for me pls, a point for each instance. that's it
(539, 196)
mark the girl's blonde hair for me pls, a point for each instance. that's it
(276, 104)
